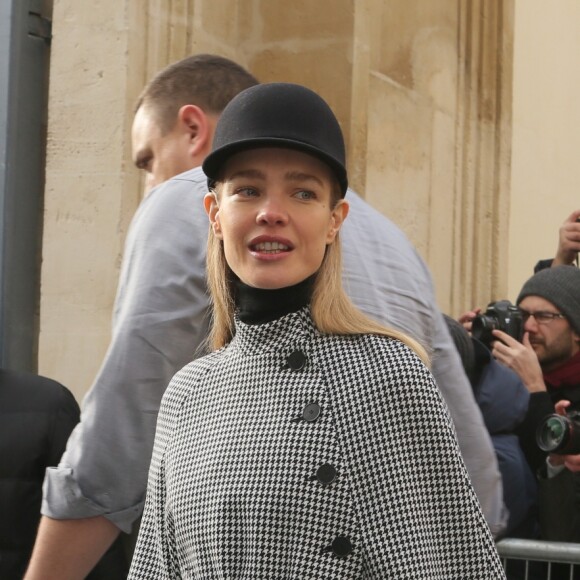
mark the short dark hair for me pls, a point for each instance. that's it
(206, 80)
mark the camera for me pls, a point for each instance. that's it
(560, 434)
(501, 315)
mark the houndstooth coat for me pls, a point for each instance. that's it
(294, 455)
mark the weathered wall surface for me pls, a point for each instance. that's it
(435, 156)
(423, 91)
(90, 190)
(102, 55)
(545, 182)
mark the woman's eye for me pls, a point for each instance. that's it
(246, 192)
(305, 195)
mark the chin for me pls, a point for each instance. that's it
(271, 282)
(261, 282)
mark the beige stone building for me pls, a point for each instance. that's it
(461, 118)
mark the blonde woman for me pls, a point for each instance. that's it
(313, 443)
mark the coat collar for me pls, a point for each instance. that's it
(279, 335)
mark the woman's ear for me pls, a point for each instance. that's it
(337, 218)
(212, 209)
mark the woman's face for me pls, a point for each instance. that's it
(275, 215)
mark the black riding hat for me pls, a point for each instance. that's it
(278, 115)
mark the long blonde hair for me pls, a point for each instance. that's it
(332, 310)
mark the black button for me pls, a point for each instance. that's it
(341, 546)
(311, 412)
(326, 474)
(297, 360)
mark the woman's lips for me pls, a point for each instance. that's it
(274, 247)
(270, 247)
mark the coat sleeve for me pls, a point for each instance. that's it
(160, 322)
(419, 515)
(156, 555)
(388, 280)
(472, 435)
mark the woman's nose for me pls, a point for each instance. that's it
(272, 212)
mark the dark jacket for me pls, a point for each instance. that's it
(560, 495)
(37, 416)
(503, 400)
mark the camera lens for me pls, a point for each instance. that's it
(553, 433)
(481, 328)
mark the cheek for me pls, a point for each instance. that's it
(175, 158)
(231, 227)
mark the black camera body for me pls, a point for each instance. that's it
(560, 434)
(500, 315)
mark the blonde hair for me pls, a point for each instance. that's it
(332, 310)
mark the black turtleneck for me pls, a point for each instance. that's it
(256, 305)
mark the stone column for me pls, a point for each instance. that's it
(430, 134)
(91, 191)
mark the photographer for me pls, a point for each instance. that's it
(548, 361)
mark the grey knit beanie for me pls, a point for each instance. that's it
(561, 287)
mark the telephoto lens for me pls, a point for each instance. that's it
(559, 434)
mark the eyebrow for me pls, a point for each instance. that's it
(288, 176)
(253, 173)
(299, 176)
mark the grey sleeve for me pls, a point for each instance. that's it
(387, 279)
(472, 434)
(474, 440)
(160, 322)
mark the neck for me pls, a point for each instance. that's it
(256, 305)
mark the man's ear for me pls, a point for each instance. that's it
(199, 128)
(212, 209)
(337, 218)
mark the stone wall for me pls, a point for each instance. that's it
(423, 90)
(545, 181)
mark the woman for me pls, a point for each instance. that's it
(313, 443)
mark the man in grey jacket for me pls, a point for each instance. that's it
(160, 323)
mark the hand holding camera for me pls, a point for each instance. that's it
(466, 319)
(501, 329)
(521, 358)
